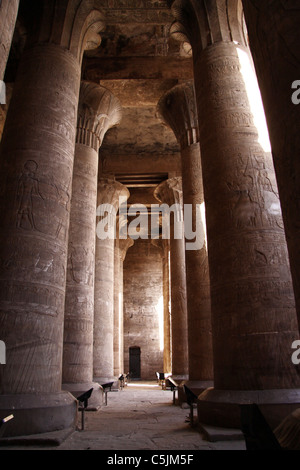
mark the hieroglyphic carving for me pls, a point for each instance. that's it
(135, 4)
(138, 16)
(253, 181)
(32, 298)
(79, 324)
(143, 11)
(37, 194)
(30, 261)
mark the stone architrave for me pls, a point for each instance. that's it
(109, 192)
(254, 320)
(273, 29)
(121, 248)
(98, 111)
(178, 109)
(163, 245)
(36, 175)
(170, 192)
(8, 15)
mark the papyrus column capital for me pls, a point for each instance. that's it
(170, 191)
(109, 192)
(202, 23)
(178, 109)
(75, 27)
(98, 111)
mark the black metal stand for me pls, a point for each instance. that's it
(173, 386)
(106, 388)
(191, 399)
(83, 399)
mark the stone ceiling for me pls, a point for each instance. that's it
(139, 61)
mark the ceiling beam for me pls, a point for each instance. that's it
(156, 67)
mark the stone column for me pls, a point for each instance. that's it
(121, 247)
(170, 192)
(36, 174)
(163, 245)
(98, 111)
(273, 29)
(8, 15)
(178, 109)
(109, 192)
(117, 310)
(120, 254)
(253, 312)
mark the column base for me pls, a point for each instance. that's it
(180, 377)
(38, 413)
(196, 386)
(95, 401)
(222, 407)
(105, 380)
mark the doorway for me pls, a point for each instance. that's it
(135, 362)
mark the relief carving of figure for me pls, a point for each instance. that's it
(28, 187)
(245, 211)
(81, 269)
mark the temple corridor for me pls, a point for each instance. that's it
(149, 220)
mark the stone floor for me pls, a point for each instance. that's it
(139, 417)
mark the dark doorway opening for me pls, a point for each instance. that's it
(135, 362)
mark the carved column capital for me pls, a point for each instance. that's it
(178, 109)
(98, 111)
(109, 192)
(75, 27)
(202, 23)
(170, 191)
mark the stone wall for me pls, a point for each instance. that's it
(143, 299)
